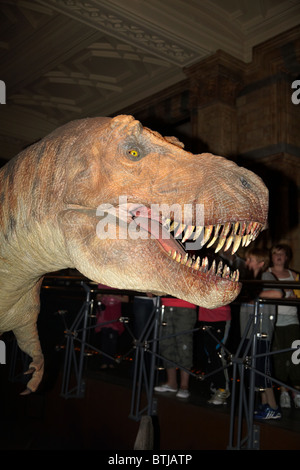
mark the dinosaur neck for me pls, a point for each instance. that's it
(33, 253)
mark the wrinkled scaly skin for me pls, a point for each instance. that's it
(48, 221)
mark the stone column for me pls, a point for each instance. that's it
(214, 84)
(268, 132)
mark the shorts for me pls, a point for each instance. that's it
(174, 344)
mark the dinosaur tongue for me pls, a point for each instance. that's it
(151, 224)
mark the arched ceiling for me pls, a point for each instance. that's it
(67, 59)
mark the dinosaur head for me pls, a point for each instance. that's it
(137, 207)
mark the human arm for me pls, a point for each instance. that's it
(270, 293)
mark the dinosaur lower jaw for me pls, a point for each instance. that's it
(172, 236)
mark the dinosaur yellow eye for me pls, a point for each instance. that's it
(134, 153)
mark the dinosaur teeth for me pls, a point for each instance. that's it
(236, 243)
(203, 266)
(224, 236)
(207, 233)
(198, 232)
(228, 242)
(220, 269)
(216, 234)
(212, 270)
(222, 240)
(184, 261)
(173, 226)
(196, 264)
(188, 233)
(180, 230)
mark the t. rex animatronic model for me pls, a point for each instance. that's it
(110, 198)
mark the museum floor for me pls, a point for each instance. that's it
(100, 420)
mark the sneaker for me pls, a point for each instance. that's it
(266, 412)
(182, 393)
(165, 388)
(285, 401)
(297, 400)
(219, 398)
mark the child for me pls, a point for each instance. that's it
(287, 328)
(214, 326)
(109, 309)
(257, 262)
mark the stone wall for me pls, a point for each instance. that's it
(243, 111)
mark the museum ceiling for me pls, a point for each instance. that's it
(67, 59)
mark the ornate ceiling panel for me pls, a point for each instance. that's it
(67, 59)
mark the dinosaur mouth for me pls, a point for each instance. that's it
(182, 242)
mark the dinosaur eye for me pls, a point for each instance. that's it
(134, 153)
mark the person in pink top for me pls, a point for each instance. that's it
(109, 309)
(178, 316)
(214, 326)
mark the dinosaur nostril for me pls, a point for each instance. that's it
(245, 183)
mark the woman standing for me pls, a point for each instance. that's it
(287, 328)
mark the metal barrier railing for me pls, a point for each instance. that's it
(247, 360)
(73, 383)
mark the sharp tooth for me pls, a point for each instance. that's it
(249, 228)
(188, 233)
(179, 230)
(189, 262)
(254, 227)
(244, 239)
(173, 226)
(228, 242)
(220, 268)
(184, 260)
(236, 244)
(225, 230)
(167, 224)
(213, 268)
(196, 265)
(243, 228)
(198, 232)
(217, 228)
(236, 227)
(235, 276)
(248, 240)
(178, 257)
(207, 233)
(257, 231)
(170, 253)
(220, 244)
(174, 255)
(226, 271)
(204, 265)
